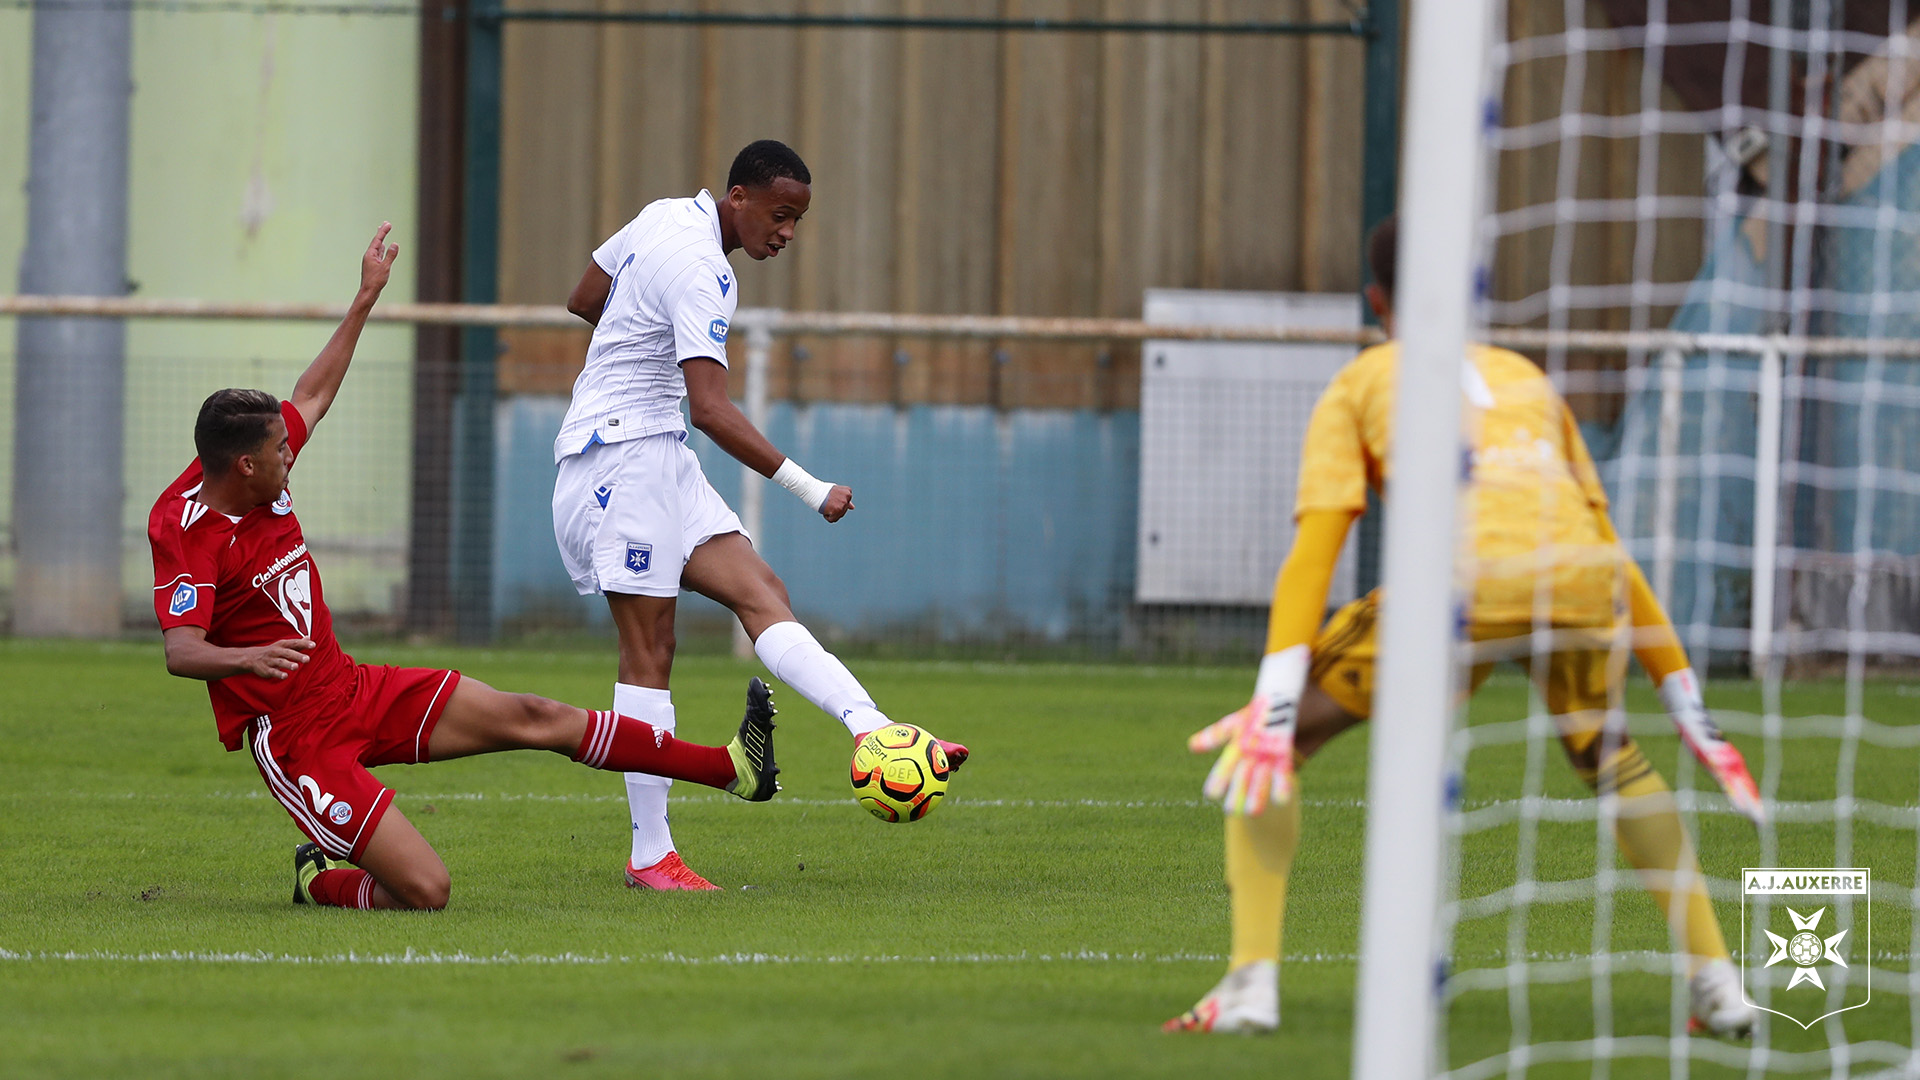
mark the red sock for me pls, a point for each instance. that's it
(342, 888)
(622, 744)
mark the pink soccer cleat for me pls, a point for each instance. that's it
(667, 875)
(956, 754)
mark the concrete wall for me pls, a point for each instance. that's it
(265, 151)
(969, 523)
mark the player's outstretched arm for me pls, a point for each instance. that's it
(313, 394)
(191, 656)
(1256, 743)
(717, 417)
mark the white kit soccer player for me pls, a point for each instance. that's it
(633, 513)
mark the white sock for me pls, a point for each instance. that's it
(646, 793)
(795, 658)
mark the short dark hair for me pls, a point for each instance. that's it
(1383, 251)
(232, 423)
(763, 162)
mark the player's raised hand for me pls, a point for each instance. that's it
(278, 660)
(377, 264)
(839, 501)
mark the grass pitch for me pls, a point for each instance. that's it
(1063, 902)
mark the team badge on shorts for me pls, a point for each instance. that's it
(340, 812)
(1813, 919)
(639, 557)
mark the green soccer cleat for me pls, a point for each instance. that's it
(752, 749)
(308, 862)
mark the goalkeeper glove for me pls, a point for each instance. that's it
(1680, 693)
(1256, 743)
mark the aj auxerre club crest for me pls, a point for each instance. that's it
(639, 557)
(1806, 930)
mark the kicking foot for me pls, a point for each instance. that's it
(308, 861)
(1246, 1002)
(956, 754)
(754, 772)
(1718, 1006)
(667, 875)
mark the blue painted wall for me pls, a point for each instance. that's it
(969, 524)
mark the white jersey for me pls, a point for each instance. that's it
(672, 298)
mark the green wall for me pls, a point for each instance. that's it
(265, 150)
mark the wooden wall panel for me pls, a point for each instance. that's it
(1042, 174)
(1528, 262)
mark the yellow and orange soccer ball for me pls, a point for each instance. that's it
(900, 773)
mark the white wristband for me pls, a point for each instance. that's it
(1283, 675)
(797, 480)
(1680, 693)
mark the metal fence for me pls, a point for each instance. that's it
(1015, 530)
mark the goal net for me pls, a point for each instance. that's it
(1701, 218)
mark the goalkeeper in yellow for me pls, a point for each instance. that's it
(1545, 554)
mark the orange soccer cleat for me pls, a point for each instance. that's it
(667, 875)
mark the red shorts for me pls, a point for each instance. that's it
(317, 766)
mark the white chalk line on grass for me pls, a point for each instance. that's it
(569, 959)
(431, 957)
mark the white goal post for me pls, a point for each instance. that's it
(1413, 696)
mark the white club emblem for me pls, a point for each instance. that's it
(292, 593)
(1773, 965)
(1806, 948)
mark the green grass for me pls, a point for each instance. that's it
(1065, 900)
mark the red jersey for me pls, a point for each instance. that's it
(247, 582)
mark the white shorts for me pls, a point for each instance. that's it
(628, 515)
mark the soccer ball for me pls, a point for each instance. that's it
(899, 773)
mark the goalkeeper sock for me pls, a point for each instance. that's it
(623, 744)
(1259, 855)
(347, 888)
(795, 658)
(1654, 840)
(647, 794)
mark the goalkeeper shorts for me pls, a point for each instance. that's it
(1578, 683)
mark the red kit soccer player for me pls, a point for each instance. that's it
(240, 604)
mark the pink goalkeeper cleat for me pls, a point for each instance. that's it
(667, 875)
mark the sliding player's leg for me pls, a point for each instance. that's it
(398, 870)
(481, 720)
(1582, 689)
(727, 569)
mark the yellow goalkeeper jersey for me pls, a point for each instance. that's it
(1537, 506)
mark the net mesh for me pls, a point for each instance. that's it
(1708, 212)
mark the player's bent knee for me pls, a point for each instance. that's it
(428, 889)
(543, 720)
